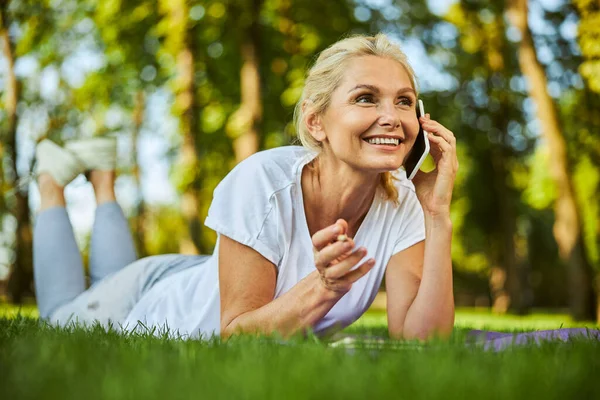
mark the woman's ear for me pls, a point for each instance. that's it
(314, 125)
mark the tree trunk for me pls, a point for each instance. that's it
(507, 287)
(21, 277)
(505, 279)
(182, 41)
(140, 208)
(190, 201)
(4, 186)
(246, 120)
(567, 226)
(515, 278)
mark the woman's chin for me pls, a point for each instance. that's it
(389, 165)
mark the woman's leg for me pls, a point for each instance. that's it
(111, 300)
(58, 269)
(112, 245)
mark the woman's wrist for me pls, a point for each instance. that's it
(322, 293)
(438, 219)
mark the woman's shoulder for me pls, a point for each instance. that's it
(270, 170)
(276, 166)
(283, 156)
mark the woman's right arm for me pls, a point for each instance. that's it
(247, 284)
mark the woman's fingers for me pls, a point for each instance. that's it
(332, 252)
(340, 269)
(445, 141)
(441, 142)
(359, 272)
(437, 129)
(335, 259)
(438, 135)
(344, 284)
(325, 236)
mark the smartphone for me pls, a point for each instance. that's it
(420, 149)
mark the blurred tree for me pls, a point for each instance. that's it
(581, 123)
(179, 43)
(244, 124)
(22, 267)
(589, 41)
(164, 225)
(567, 227)
(488, 121)
(125, 33)
(139, 214)
(32, 18)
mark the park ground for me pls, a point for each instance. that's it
(38, 361)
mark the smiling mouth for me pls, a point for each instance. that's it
(392, 142)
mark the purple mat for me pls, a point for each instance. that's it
(498, 341)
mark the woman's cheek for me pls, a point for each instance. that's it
(361, 120)
(411, 128)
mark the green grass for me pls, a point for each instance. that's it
(11, 311)
(38, 361)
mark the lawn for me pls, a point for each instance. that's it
(38, 362)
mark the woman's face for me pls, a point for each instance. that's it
(371, 123)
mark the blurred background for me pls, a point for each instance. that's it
(190, 88)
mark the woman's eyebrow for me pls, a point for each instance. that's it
(364, 86)
(407, 89)
(375, 89)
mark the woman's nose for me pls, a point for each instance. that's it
(389, 116)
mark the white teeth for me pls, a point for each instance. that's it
(391, 141)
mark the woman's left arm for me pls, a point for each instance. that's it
(419, 279)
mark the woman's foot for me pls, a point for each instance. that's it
(97, 153)
(57, 166)
(62, 165)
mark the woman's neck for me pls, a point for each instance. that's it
(333, 190)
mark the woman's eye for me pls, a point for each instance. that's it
(405, 101)
(365, 99)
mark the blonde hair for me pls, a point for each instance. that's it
(326, 75)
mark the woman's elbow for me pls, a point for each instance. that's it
(229, 327)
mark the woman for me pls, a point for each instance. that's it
(278, 265)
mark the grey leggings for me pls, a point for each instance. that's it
(58, 267)
(118, 280)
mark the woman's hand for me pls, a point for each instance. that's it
(334, 258)
(434, 189)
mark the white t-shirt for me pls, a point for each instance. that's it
(259, 204)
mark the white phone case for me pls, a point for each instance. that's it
(424, 155)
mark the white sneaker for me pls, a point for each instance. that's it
(98, 153)
(63, 165)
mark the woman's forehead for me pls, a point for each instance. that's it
(375, 72)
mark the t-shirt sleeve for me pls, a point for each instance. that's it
(412, 225)
(243, 208)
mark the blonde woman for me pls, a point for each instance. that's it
(305, 233)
